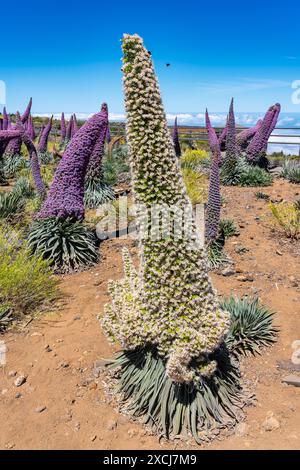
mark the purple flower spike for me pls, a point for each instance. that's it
(41, 133)
(176, 139)
(6, 137)
(244, 137)
(213, 139)
(69, 129)
(94, 166)
(75, 125)
(42, 146)
(259, 143)
(62, 128)
(5, 119)
(27, 111)
(231, 146)
(65, 197)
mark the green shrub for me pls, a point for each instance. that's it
(113, 164)
(196, 186)
(26, 281)
(287, 216)
(261, 195)
(228, 228)
(13, 164)
(13, 203)
(291, 172)
(195, 160)
(255, 176)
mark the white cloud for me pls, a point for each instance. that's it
(243, 85)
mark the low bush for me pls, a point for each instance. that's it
(291, 171)
(195, 160)
(196, 186)
(287, 216)
(255, 176)
(228, 228)
(261, 195)
(26, 282)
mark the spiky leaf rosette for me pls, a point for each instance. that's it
(67, 244)
(173, 306)
(97, 193)
(251, 326)
(12, 164)
(45, 157)
(202, 409)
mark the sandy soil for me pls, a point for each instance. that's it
(57, 352)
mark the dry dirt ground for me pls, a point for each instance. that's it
(57, 352)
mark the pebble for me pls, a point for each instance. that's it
(111, 424)
(93, 438)
(20, 380)
(132, 432)
(77, 317)
(270, 423)
(228, 272)
(40, 409)
(292, 380)
(245, 278)
(18, 395)
(278, 252)
(12, 373)
(241, 429)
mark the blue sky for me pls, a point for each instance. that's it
(66, 54)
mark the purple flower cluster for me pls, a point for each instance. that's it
(34, 161)
(176, 139)
(30, 128)
(14, 146)
(62, 128)
(42, 146)
(213, 209)
(69, 129)
(5, 119)
(6, 136)
(259, 143)
(65, 197)
(231, 145)
(75, 125)
(94, 170)
(246, 135)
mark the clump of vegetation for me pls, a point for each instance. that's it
(261, 195)
(114, 163)
(12, 203)
(196, 186)
(228, 228)
(13, 164)
(287, 216)
(26, 281)
(195, 160)
(291, 171)
(67, 245)
(251, 326)
(255, 176)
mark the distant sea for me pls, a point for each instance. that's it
(277, 142)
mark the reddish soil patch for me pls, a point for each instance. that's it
(57, 352)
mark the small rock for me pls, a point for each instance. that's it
(12, 373)
(64, 365)
(245, 278)
(9, 445)
(47, 348)
(240, 249)
(271, 423)
(228, 271)
(20, 380)
(292, 380)
(40, 409)
(18, 395)
(77, 426)
(132, 432)
(112, 424)
(241, 429)
(93, 438)
(4, 391)
(77, 317)
(278, 252)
